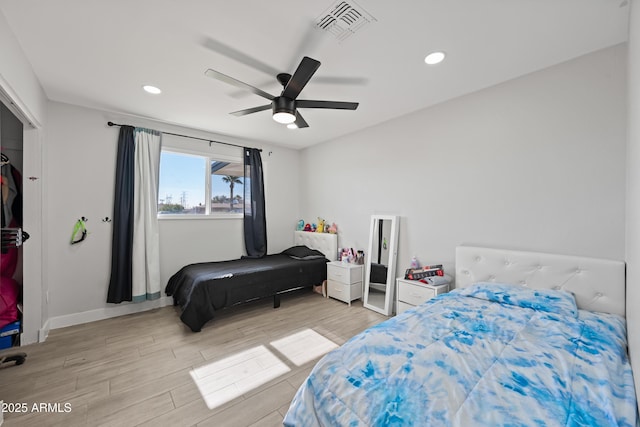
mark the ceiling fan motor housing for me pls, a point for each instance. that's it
(281, 104)
(283, 78)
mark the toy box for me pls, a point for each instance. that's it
(8, 333)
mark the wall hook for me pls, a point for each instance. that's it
(106, 219)
(80, 228)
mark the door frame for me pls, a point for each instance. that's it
(34, 293)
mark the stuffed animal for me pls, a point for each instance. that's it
(333, 229)
(320, 226)
(307, 227)
(300, 226)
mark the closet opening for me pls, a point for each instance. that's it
(11, 254)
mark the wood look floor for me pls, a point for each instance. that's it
(137, 369)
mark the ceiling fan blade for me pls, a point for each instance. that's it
(237, 83)
(301, 77)
(337, 105)
(335, 80)
(308, 43)
(236, 55)
(300, 122)
(251, 110)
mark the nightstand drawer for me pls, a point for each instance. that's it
(414, 294)
(346, 274)
(402, 307)
(342, 292)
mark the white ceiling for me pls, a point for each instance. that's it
(98, 54)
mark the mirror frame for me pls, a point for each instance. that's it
(387, 310)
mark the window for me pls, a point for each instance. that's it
(192, 184)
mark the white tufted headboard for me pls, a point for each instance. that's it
(598, 284)
(324, 242)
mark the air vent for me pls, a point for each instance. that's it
(343, 19)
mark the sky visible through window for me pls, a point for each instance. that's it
(182, 180)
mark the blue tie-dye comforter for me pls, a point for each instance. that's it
(487, 355)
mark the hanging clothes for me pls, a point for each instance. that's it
(11, 185)
(9, 296)
(11, 195)
(11, 200)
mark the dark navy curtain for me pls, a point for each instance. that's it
(120, 288)
(255, 224)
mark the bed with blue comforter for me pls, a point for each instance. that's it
(486, 355)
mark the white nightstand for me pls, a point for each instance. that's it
(412, 293)
(344, 281)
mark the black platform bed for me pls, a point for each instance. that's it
(201, 289)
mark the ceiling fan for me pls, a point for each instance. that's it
(285, 106)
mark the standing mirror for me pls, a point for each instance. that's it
(380, 265)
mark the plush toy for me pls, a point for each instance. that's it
(300, 226)
(333, 229)
(348, 255)
(320, 227)
(307, 227)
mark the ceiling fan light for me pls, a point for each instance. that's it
(284, 117)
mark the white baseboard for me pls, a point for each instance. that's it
(44, 332)
(105, 313)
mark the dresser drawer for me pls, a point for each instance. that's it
(346, 274)
(414, 294)
(342, 292)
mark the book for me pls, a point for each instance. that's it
(430, 267)
(428, 271)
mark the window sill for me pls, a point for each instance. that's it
(169, 217)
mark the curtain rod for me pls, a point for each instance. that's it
(191, 137)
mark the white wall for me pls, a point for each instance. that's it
(17, 78)
(80, 155)
(633, 195)
(535, 163)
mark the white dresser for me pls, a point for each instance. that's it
(411, 293)
(344, 281)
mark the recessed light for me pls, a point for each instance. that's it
(151, 89)
(434, 58)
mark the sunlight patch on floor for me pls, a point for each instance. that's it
(224, 380)
(304, 346)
